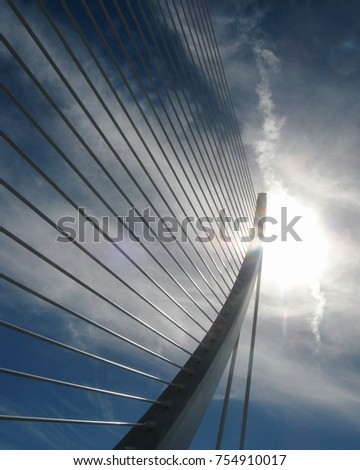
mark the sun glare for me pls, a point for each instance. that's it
(287, 261)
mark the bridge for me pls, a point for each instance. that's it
(130, 227)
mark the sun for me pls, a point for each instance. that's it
(287, 261)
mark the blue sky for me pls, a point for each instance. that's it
(293, 71)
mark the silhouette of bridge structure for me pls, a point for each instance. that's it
(128, 267)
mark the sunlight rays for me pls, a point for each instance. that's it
(289, 263)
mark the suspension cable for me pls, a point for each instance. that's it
(251, 361)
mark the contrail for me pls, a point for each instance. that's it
(318, 314)
(266, 62)
(265, 149)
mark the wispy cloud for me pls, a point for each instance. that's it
(318, 313)
(266, 146)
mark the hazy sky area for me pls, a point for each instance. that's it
(109, 108)
(293, 70)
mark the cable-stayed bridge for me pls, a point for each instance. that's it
(128, 205)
